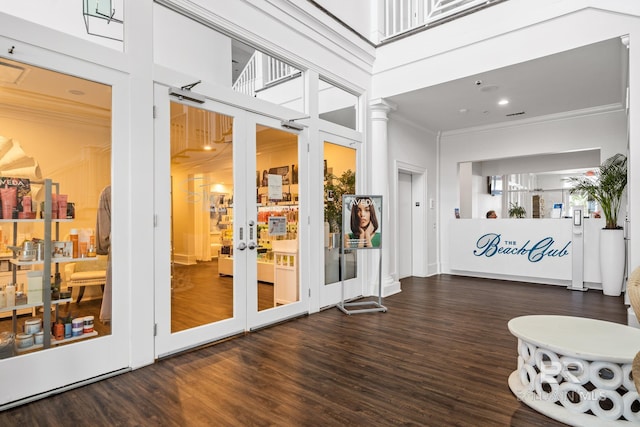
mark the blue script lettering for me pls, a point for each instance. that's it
(489, 245)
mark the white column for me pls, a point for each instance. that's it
(380, 110)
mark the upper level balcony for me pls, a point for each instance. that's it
(398, 17)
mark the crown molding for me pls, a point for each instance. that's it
(603, 109)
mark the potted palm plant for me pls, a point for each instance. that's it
(516, 211)
(607, 188)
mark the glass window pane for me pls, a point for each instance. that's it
(260, 75)
(201, 217)
(58, 127)
(340, 178)
(277, 203)
(337, 105)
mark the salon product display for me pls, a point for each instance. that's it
(25, 289)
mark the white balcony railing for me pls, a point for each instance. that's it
(403, 15)
(262, 71)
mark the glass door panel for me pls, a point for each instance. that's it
(201, 217)
(200, 280)
(277, 209)
(274, 286)
(339, 178)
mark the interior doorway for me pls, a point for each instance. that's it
(405, 220)
(227, 247)
(412, 211)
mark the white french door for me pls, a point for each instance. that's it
(227, 237)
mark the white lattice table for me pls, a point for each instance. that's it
(577, 370)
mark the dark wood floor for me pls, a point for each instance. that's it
(200, 295)
(440, 356)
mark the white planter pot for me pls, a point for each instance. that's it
(612, 257)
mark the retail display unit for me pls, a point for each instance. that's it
(267, 267)
(38, 284)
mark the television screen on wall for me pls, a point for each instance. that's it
(494, 185)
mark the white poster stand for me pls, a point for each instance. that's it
(362, 230)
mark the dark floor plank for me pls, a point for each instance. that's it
(440, 356)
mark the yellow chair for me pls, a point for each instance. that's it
(86, 273)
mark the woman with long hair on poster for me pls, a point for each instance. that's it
(364, 224)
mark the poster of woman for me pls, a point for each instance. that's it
(361, 219)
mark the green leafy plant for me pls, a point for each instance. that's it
(516, 211)
(335, 188)
(606, 187)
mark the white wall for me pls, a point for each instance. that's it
(604, 131)
(415, 149)
(183, 44)
(520, 30)
(64, 16)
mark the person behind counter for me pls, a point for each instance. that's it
(492, 214)
(364, 223)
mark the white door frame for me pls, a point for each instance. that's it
(24, 375)
(331, 294)
(245, 308)
(166, 342)
(419, 249)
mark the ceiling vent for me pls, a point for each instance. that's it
(10, 73)
(519, 113)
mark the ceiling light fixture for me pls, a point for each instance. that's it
(503, 102)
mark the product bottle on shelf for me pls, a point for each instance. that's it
(73, 235)
(11, 295)
(91, 252)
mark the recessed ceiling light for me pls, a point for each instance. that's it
(463, 111)
(76, 92)
(503, 102)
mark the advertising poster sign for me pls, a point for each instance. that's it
(362, 221)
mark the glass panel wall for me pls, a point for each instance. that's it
(337, 105)
(339, 179)
(53, 127)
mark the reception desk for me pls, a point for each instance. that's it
(537, 250)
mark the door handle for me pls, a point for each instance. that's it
(252, 245)
(242, 246)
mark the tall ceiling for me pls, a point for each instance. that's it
(585, 78)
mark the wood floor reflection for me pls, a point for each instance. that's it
(200, 296)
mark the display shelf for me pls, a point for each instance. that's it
(55, 260)
(30, 348)
(32, 305)
(47, 262)
(76, 338)
(24, 220)
(57, 342)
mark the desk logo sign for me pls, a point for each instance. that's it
(490, 245)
